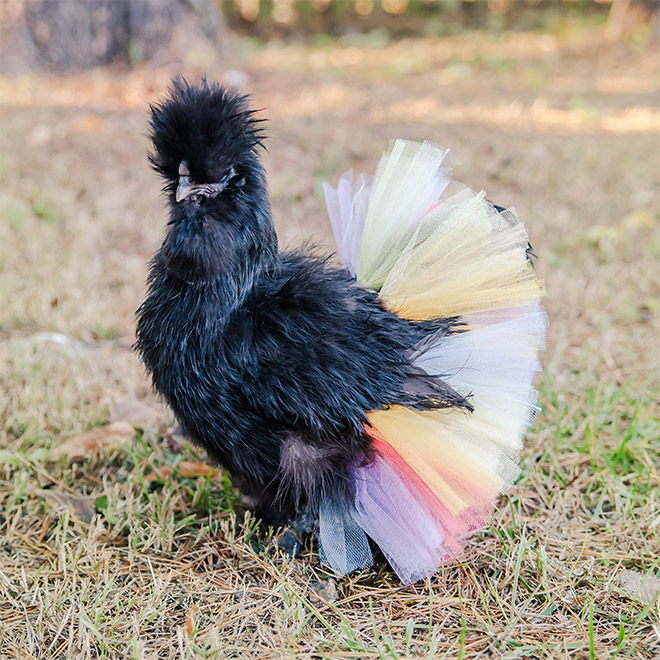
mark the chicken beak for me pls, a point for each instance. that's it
(184, 189)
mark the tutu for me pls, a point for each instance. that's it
(433, 248)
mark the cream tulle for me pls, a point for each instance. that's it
(433, 248)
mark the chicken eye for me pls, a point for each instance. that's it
(226, 176)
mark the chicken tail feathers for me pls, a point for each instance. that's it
(421, 391)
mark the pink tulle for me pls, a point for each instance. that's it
(456, 527)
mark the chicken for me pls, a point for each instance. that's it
(269, 359)
(275, 361)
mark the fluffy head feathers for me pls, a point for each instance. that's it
(206, 126)
(205, 145)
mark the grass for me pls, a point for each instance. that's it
(147, 558)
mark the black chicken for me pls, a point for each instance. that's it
(269, 359)
(276, 361)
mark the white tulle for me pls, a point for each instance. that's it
(342, 541)
(495, 364)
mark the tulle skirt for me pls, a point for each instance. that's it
(434, 248)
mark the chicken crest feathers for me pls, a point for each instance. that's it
(207, 125)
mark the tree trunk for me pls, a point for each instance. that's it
(73, 35)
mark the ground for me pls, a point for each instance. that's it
(137, 549)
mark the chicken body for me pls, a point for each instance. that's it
(277, 389)
(270, 360)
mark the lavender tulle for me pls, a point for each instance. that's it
(387, 511)
(347, 208)
(402, 526)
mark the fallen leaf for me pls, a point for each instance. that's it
(185, 469)
(108, 437)
(190, 469)
(138, 414)
(638, 218)
(164, 472)
(174, 438)
(191, 615)
(86, 124)
(322, 593)
(80, 507)
(644, 588)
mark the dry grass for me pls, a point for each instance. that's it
(564, 127)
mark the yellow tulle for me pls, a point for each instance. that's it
(405, 180)
(430, 447)
(444, 254)
(464, 257)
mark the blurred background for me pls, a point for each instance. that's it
(552, 107)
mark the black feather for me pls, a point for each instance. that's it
(531, 255)
(269, 359)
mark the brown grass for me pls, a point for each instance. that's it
(564, 127)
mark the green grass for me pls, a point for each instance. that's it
(170, 565)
